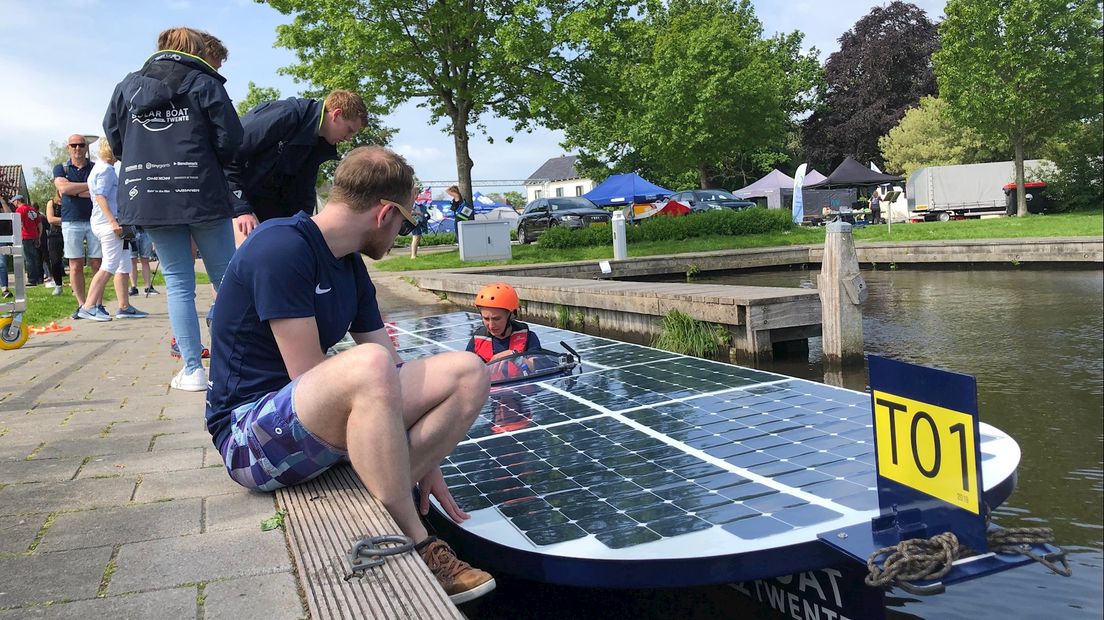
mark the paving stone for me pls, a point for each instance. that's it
(142, 463)
(239, 510)
(202, 557)
(17, 533)
(92, 446)
(174, 441)
(190, 483)
(38, 470)
(72, 495)
(167, 426)
(43, 577)
(175, 603)
(263, 597)
(134, 523)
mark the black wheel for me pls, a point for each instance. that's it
(523, 239)
(945, 216)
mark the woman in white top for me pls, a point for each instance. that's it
(103, 184)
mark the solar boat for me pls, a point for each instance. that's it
(646, 468)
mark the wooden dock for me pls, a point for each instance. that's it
(325, 517)
(757, 317)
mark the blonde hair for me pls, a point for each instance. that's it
(351, 104)
(105, 150)
(370, 173)
(181, 39)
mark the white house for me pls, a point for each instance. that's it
(557, 177)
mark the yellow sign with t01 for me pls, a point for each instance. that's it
(928, 448)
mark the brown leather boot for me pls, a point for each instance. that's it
(460, 581)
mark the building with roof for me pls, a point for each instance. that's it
(13, 182)
(557, 177)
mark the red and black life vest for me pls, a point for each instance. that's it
(484, 342)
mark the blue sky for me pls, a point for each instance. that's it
(61, 60)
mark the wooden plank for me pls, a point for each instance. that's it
(326, 516)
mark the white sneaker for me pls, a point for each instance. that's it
(195, 381)
(57, 291)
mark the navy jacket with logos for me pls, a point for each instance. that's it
(174, 129)
(277, 164)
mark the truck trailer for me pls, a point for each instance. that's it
(967, 190)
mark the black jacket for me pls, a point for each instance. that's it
(277, 164)
(174, 128)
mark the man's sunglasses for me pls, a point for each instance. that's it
(79, 145)
(409, 223)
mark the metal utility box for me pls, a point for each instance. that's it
(484, 240)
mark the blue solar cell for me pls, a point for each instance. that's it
(556, 534)
(757, 527)
(726, 513)
(808, 514)
(627, 537)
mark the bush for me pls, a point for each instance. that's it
(663, 228)
(427, 240)
(1077, 183)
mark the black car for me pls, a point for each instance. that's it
(544, 213)
(706, 199)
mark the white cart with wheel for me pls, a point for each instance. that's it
(13, 331)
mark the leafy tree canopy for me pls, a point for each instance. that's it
(681, 89)
(42, 177)
(1021, 70)
(883, 68)
(928, 136)
(460, 59)
(255, 95)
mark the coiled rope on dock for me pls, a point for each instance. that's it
(920, 559)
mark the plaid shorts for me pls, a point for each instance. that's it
(269, 448)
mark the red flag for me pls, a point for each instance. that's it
(425, 197)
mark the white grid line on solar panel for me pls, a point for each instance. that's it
(747, 473)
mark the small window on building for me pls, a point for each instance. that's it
(578, 190)
(559, 192)
(537, 194)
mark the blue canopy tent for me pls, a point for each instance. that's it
(625, 189)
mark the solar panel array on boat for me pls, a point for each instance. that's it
(646, 452)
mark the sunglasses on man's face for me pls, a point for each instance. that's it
(407, 226)
(77, 146)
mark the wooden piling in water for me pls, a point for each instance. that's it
(842, 291)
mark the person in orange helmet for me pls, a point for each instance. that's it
(501, 334)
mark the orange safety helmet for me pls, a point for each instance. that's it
(498, 295)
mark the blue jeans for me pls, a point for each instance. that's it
(215, 241)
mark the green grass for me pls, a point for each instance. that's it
(1066, 225)
(689, 336)
(43, 307)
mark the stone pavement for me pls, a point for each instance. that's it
(113, 501)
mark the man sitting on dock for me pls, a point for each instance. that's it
(281, 412)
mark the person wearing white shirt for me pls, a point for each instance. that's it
(103, 184)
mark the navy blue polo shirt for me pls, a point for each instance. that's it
(283, 270)
(74, 208)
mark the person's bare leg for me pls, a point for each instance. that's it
(414, 241)
(443, 395)
(353, 401)
(146, 272)
(96, 290)
(76, 279)
(122, 290)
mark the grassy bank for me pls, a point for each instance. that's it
(43, 307)
(1066, 225)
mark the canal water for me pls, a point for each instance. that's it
(1035, 341)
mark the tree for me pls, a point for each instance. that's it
(1020, 70)
(683, 89)
(514, 199)
(42, 177)
(883, 68)
(928, 136)
(256, 94)
(460, 59)
(1077, 182)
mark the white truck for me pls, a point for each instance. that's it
(967, 190)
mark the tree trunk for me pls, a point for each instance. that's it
(703, 176)
(460, 138)
(1021, 194)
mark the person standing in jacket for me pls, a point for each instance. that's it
(461, 210)
(276, 168)
(175, 130)
(71, 181)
